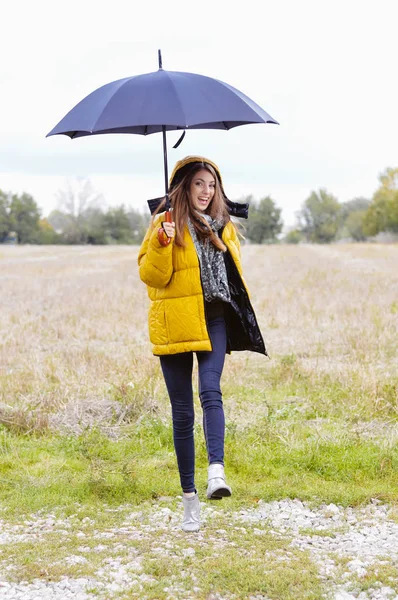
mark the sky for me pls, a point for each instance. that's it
(325, 70)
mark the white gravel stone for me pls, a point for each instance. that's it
(342, 595)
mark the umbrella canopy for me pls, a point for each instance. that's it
(158, 102)
(144, 104)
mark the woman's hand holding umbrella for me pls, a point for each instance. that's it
(167, 231)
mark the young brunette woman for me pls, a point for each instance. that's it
(199, 304)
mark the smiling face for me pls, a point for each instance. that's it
(201, 190)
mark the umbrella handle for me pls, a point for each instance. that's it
(163, 238)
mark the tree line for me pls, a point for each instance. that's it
(80, 217)
(323, 219)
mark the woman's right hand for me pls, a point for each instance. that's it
(170, 229)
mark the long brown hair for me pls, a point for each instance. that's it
(183, 208)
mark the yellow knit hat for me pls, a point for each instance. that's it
(194, 159)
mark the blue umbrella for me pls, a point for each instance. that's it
(161, 101)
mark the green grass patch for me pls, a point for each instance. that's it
(45, 559)
(271, 460)
(239, 573)
(384, 573)
(326, 533)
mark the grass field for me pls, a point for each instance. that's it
(85, 420)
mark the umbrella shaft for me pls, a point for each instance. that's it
(166, 176)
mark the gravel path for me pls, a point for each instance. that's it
(344, 542)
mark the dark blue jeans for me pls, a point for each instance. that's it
(177, 371)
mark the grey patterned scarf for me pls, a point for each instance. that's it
(212, 267)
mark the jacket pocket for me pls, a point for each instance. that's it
(182, 320)
(157, 323)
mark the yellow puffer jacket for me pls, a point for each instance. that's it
(177, 321)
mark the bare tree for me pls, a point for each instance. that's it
(75, 203)
(77, 196)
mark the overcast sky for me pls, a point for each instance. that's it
(327, 71)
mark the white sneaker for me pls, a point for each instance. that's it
(191, 519)
(216, 485)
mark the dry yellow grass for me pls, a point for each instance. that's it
(73, 329)
(74, 352)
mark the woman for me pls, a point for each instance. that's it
(199, 303)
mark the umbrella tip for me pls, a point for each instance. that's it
(160, 59)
